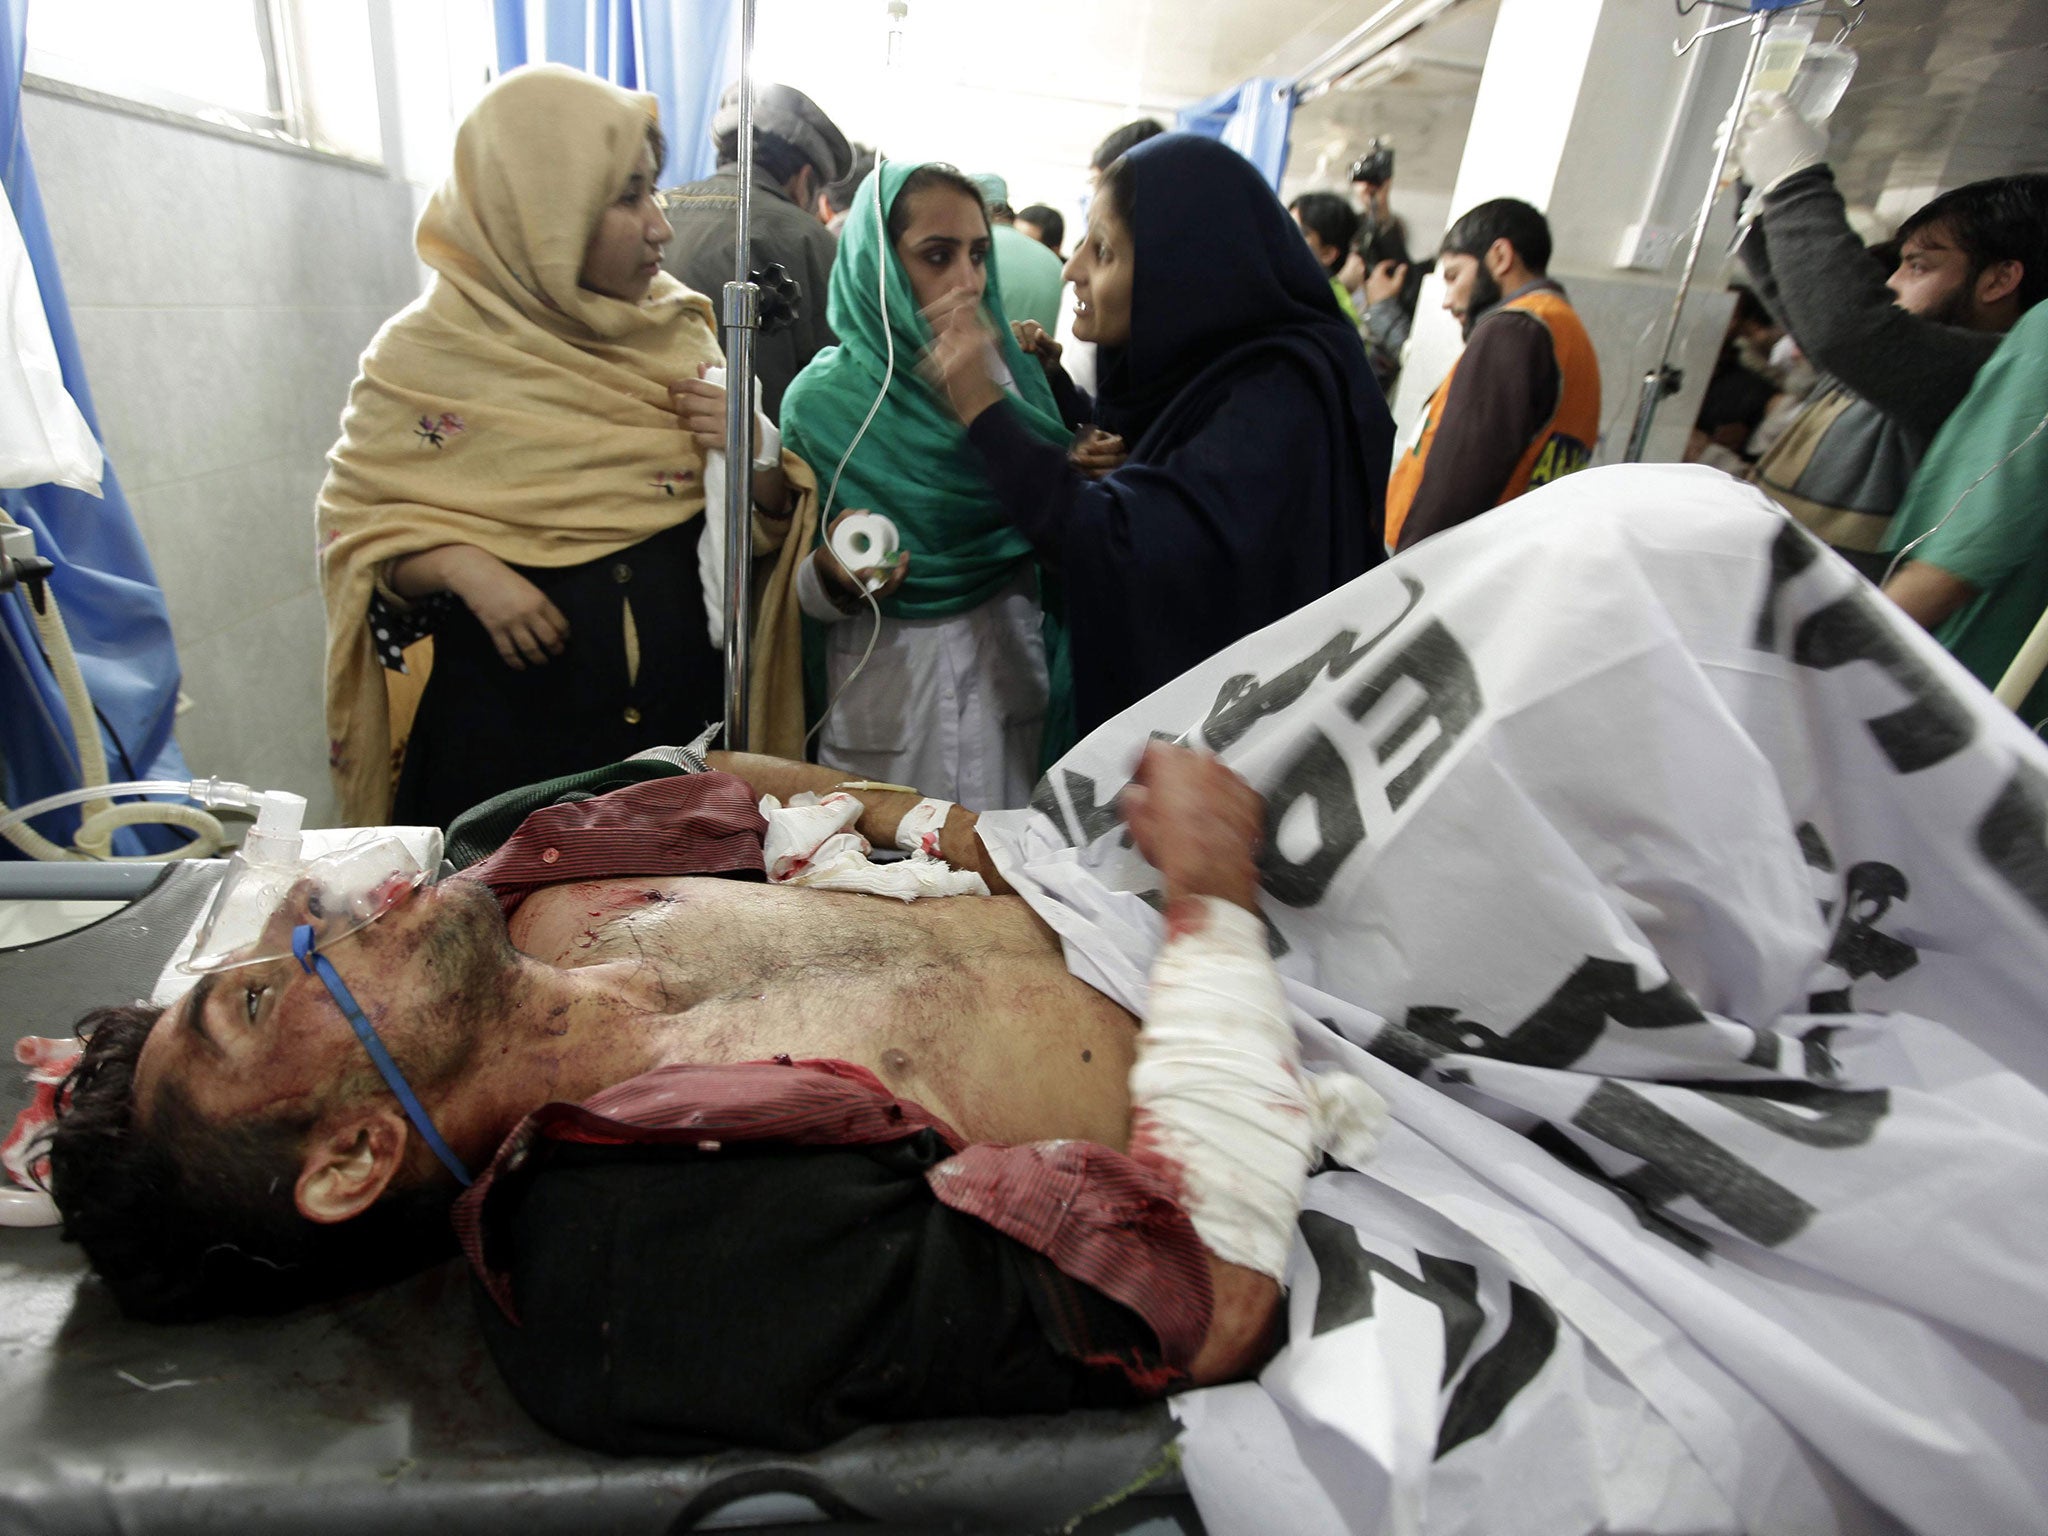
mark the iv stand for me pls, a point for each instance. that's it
(1662, 380)
(742, 317)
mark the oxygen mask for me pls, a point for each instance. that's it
(271, 889)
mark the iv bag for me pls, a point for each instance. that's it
(1822, 81)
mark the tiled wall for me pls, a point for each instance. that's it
(222, 292)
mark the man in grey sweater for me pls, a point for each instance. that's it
(1896, 354)
(798, 150)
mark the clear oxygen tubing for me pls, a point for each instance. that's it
(832, 492)
(96, 830)
(94, 840)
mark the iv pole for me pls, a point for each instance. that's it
(742, 317)
(1662, 379)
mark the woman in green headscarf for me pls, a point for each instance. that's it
(966, 687)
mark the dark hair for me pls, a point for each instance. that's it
(1383, 242)
(924, 179)
(190, 1218)
(1119, 189)
(1001, 213)
(1122, 141)
(1330, 218)
(2003, 219)
(1049, 221)
(840, 193)
(774, 154)
(1749, 309)
(1505, 218)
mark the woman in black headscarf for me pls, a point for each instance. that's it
(1258, 443)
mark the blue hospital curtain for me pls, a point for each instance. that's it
(678, 51)
(112, 604)
(1253, 118)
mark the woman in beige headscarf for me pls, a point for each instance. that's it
(520, 477)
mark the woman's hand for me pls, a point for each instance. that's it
(1098, 453)
(1352, 273)
(959, 362)
(846, 587)
(527, 629)
(1032, 338)
(700, 407)
(1385, 281)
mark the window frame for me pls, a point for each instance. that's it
(285, 126)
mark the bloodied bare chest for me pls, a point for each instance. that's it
(964, 1005)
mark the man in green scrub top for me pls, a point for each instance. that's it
(1979, 579)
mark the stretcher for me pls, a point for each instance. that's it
(384, 1411)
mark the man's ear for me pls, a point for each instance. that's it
(1500, 258)
(2000, 280)
(803, 189)
(349, 1163)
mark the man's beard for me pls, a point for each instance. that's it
(1485, 294)
(1955, 308)
(467, 968)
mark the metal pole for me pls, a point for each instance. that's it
(741, 316)
(1655, 386)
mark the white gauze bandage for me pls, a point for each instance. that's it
(1218, 1090)
(812, 842)
(921, 825)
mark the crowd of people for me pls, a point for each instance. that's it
(1089, 456)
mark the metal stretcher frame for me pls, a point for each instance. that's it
(385, 1412)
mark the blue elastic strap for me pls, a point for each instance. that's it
(318, 964)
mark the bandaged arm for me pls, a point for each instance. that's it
(1218, 1110)
(881, 809)
(1221, 1109)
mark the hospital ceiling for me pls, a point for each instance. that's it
(1947, 90)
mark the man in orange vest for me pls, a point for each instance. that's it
(1521, 406)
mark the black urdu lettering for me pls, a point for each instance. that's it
(1869, 889)
(1818, 1054)
(1092, 818)
(1934, 727)
(1435, 660)
(1814, 848)
(1792, 551)
(1682, 1161)
(1243, 701)
(1046, 801)
(1649, 1214)
(1569, 1021)
(1808, 1113)
(1318, 774)
(1515, 1360)
(2013, 836)
(1344, 1294)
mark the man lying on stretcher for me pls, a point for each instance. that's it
(238, 1151)
(1686, 906)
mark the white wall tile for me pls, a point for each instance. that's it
(223, 293)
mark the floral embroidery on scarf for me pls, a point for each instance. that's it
(670, 481)
(436, 430)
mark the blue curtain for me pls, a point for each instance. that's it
(1253, 118)
(112, 604)
(679, 51)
